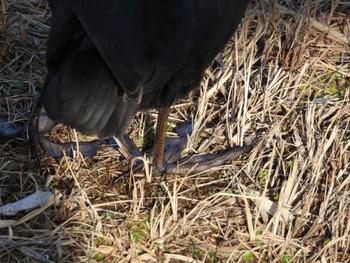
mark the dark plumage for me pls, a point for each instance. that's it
(108, 59)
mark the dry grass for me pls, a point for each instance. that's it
(287, 78)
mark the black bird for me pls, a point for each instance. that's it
(108, 59)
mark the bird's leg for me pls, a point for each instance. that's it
(34, 128)
(159, 142)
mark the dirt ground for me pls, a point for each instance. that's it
(286, 80)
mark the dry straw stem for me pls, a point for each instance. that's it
(284, 77)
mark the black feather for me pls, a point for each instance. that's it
(108, 59)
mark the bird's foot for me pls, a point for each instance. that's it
(45, 125)
(202, 162)
(173, 149)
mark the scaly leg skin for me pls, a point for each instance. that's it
(173, 147)
(40, 124)
(199, 163)
(159, 141)
(167, 152)
(193, 163)
(57, 150)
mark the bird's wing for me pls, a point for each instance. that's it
(141, 41)
(152, 48)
